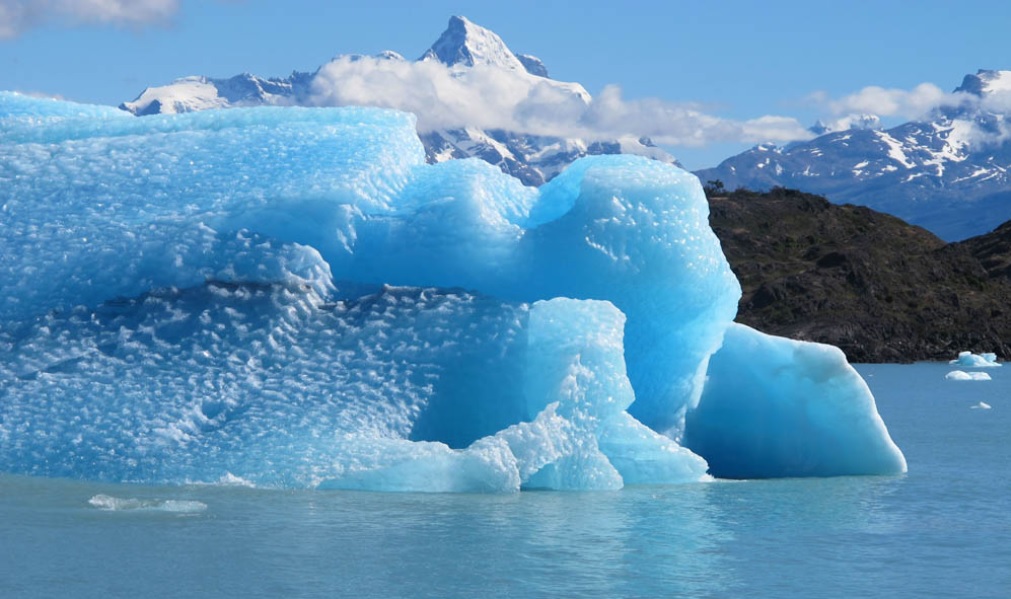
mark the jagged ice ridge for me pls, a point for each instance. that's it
(294, 298)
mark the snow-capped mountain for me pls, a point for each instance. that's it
(465, 44)
(947, 172)
(202, 93)
(465, 57)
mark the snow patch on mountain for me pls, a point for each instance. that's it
(895, 149)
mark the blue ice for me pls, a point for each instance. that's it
(293, 298)
(775, 407)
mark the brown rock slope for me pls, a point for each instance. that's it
(880, 289)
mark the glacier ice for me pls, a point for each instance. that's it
(292, 297)
(971, 360)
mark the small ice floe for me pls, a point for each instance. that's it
(971, 360)
(981, 406)
(117, 504)
(961, 375)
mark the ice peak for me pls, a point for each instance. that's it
(465, 44)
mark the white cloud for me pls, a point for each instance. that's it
(982, 117)
(996, 101)
(890, 102)
(492, 98)
(18, 16)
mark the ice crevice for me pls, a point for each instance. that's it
(294, 298)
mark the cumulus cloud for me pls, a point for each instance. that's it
(996, 101)
(495, 98)
(18, 16)
(981, 116)
(910, 104)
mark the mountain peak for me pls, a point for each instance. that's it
(465, 44)
(986, 82)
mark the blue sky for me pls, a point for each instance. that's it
(732, 60)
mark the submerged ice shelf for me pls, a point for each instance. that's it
(293, 297)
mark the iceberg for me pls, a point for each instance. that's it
(971, 360)
(293, 298)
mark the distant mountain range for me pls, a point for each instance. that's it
(947, 173)
(464, 48)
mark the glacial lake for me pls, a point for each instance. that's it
(942, 530)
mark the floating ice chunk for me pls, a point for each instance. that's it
(776, 407)
(971, 360)
(276, 295)
(981, 406)
(961, 375)
(117, 504)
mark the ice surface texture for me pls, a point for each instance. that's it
(292, 297)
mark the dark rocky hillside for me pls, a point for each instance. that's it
(879, 288)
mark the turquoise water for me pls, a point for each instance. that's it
(943, 530)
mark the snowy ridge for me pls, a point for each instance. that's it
(190, 94)
(947, 173)
(470, 52)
